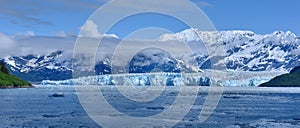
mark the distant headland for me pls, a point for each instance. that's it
(291, 79)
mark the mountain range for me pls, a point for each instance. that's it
(247, 51)
(35, 68)
(244, 51)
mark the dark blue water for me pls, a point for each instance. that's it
(238, 107)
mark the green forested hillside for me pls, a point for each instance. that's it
(291, 79)
(8, 80)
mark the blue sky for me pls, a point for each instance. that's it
(58, 18)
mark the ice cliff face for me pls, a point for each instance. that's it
(207, 78)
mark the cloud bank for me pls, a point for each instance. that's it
(7, 44)
(28, 43)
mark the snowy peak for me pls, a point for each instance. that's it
(193, 34)
(184, 36)
(247, 51)
(155, 60)
(33, 62)
(110, 36)
(36, 68)
(107, 36)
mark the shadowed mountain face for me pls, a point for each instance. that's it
(291, 79)
(153, 60)
(3, 68)
(296, 70)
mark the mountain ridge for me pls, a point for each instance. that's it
(245, 51)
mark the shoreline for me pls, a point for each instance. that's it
(13, 87)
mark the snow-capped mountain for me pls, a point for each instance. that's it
(155, 60)
(40, 67)
(247, 51)
(244, 51)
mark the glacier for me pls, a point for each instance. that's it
(207, 78)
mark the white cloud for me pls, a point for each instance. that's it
(26, 34)
(61, 34)
(90, 29)
(171, 6)
(202, 3)
(42, 45)
(20, 45)
(7, 45)
(30, 33)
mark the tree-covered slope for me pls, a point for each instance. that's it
(291, 79)
(8, 80)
